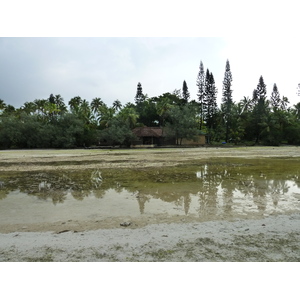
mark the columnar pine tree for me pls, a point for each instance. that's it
(185, 92)
(275, 98)
(139, 97)
(262, 97)
(213, 99)
(206, 95)
(227, 99)
(261, 89)
(259, 114)
(210, 102)
(201, 91)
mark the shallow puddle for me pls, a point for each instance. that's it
(225, 188)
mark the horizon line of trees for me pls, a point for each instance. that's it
(49, 123)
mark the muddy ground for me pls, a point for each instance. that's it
(274, 238)
(30, 160)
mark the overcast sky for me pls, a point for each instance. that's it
(32, 66)
(110, 68)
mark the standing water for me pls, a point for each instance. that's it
(225, 188)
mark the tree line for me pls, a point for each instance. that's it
(50, 123)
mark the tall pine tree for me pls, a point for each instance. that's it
(261, 89)
(260, 110)
(139, 97)
(185, 92)
(227, 99)
(205, 101)
(275, 98)
(201, 92)
(210, 101)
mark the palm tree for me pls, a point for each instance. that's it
(85, 112)
(40, 105)
(163, 107)
(29, 107)
(2, 104)
(50, 111)
(117, 105)
(9, 109)
(74, 104)
(296, 110)
(284, 103)
(248, 104)
(96, 104)
(106, 115)
(59, 102)
(129, 115)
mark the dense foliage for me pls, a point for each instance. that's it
(49, 123)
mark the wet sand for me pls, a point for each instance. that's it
(31, 160)
(274, 238)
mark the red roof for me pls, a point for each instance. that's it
(148, 131)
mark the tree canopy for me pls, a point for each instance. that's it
(50, 123)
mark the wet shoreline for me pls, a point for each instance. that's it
(274, 238)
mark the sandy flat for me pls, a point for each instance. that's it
(272, 238)
(275, 238)
(30, 160)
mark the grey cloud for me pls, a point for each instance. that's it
(110, 68)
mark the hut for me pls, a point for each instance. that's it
(155, 136)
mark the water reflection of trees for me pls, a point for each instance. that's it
(3, 191)
(56, 185)
(219, 187)
(210, 178)
(142, 199)
(216, 186)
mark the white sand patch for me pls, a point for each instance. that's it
(275, 238)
